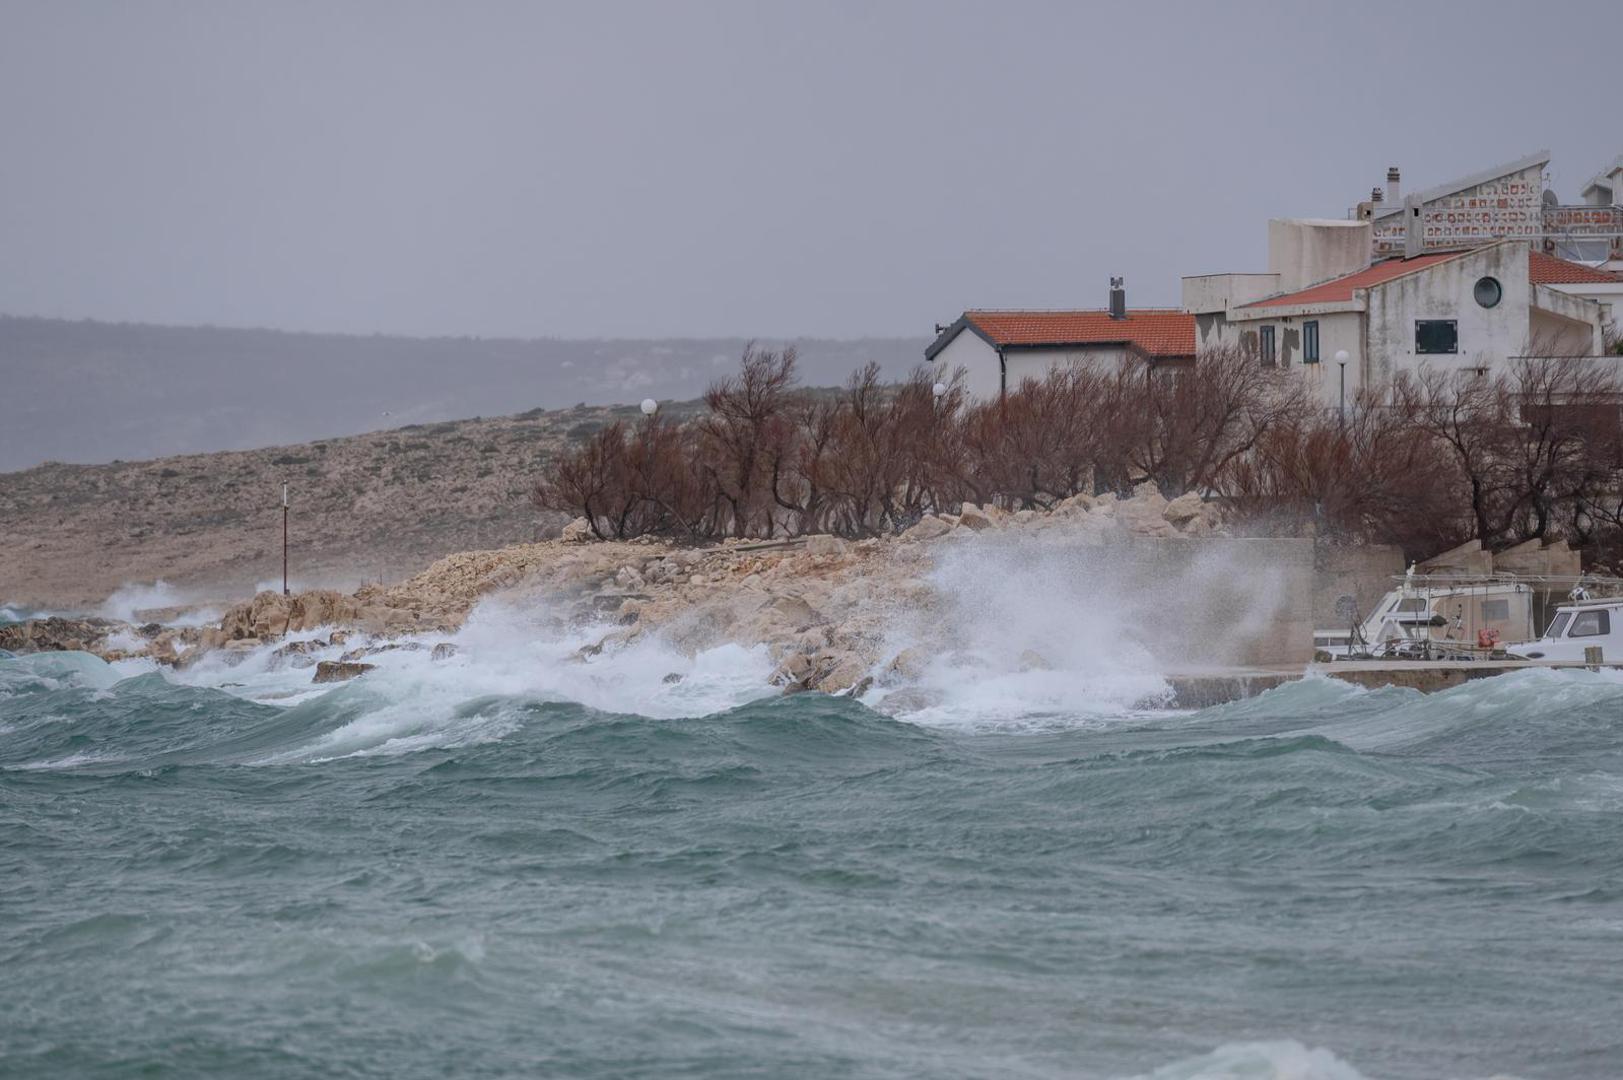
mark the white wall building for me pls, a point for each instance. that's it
(998, 350)
(1461, 310)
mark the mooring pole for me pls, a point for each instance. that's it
(284, 540)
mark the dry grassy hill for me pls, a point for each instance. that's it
(365, 507)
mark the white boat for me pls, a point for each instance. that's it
(1579, 625)
(1432, 617)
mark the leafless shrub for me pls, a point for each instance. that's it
(1533, 453)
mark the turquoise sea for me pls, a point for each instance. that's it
(467, 872)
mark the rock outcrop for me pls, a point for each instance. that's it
(823, 606)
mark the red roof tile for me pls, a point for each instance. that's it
(1340, 290)
(1155, 331)
(1543, 269)
(1549, 270)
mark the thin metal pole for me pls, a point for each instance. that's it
(284, 540)
(1343, 393)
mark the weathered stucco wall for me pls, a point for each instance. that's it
(1219, 292)
(1486, 335)
(1337, 330)
(1306, 251)
(1037, 363)
(1363, 573)
(982, 377)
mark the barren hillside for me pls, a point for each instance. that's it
(364, 507)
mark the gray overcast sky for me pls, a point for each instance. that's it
(685, 169)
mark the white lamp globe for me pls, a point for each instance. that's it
(1342, 356)
(649, 406)
(939, 389)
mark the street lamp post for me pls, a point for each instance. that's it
(284, 540)
(1341, 358)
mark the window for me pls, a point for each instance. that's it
(1558, 625)
(1488, 292)
(1310, 342)
(1436, 336)
(1411, 604)
(1495, 610)
(1265, 345)
(1591, 624)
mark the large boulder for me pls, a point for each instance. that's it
(578, 531)
(55, 634)
(823, 544)
(331, 671)
(973, 517)
(319, 607)
(927, 529)
(840, 673)
(1184, 509)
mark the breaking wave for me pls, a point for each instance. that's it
(1028, 873)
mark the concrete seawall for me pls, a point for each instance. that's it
(1200, 690)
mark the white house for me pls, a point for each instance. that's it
(999, 349)
(1463, 309)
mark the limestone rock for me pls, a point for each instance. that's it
(843, 672)
(823, 544)
(56, 634)
(927, 529)
(973, 517)
(331, 671)
(1079, 503)
(1184, 509)
(907, 664)
(793, 611)
(791, 671)
(578, 531)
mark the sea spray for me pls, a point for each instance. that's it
(133, 602)
(1056, 624)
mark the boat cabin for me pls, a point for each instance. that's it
(1579, 625)
(1430, 617)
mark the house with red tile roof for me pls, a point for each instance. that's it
(998, 350)
(1467, 309)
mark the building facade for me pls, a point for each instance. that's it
(998, 350)
(1470, 310)
(1508, 201)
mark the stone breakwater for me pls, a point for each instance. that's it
(822, 606)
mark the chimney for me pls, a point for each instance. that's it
(1374, 194)
(1414, 242)
(1394, 189)
(1118, 299)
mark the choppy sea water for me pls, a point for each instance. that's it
(510, 864)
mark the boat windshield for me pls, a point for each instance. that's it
(1558, 625)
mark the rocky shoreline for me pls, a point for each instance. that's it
(822, 606)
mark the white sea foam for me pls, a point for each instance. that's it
(507, 658)
(1285, 1059)
(130, 599)
(1041, 628)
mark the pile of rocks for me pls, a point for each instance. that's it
(820, 604)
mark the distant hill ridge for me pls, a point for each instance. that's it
(84, 391)
(377, 506)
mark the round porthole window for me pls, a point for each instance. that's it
(1488, 292)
